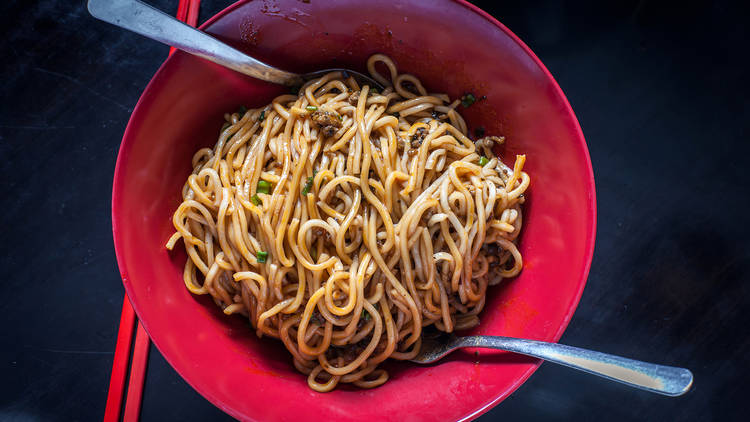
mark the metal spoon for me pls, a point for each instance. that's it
(143, 19)
(667, 380)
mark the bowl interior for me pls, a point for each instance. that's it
(452, 47)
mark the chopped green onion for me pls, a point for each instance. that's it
(262, 116)
(242, 110)
(264, 187)
(483, 161)
(314, 253)
(374, 90)
(395, 114)
(468, 99)
(261, 256)
(311, 108)
(365, 315)
(255, 199)
(308, 186)
(225, 126)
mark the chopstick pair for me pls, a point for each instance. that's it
(120, 368)
(187, 11)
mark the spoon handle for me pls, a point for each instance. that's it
(667, 380)
(143, 19)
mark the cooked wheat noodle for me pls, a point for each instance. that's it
(371, 213)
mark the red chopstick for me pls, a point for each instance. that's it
(187, 11)
(192, 14)
(137, 376)
(120, 365)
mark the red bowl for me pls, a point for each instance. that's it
(452, 47)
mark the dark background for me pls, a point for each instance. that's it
(660, 89)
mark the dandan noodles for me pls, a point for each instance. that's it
(343, 221)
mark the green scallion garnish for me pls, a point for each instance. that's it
(308, 186)
(365, 315)
(311, 108)
(225, 126)
(468, 99)
(261, 256)
(255, 199)
(264, 187)
(483, 161)
(242, 110)
(262, 116)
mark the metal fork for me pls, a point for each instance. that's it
(667, 380)
(143, 19)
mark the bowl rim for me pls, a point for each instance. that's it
(125, 147)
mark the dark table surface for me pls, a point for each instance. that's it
(660, 89)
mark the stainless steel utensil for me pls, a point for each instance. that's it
(667, 380)
(143, 19)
